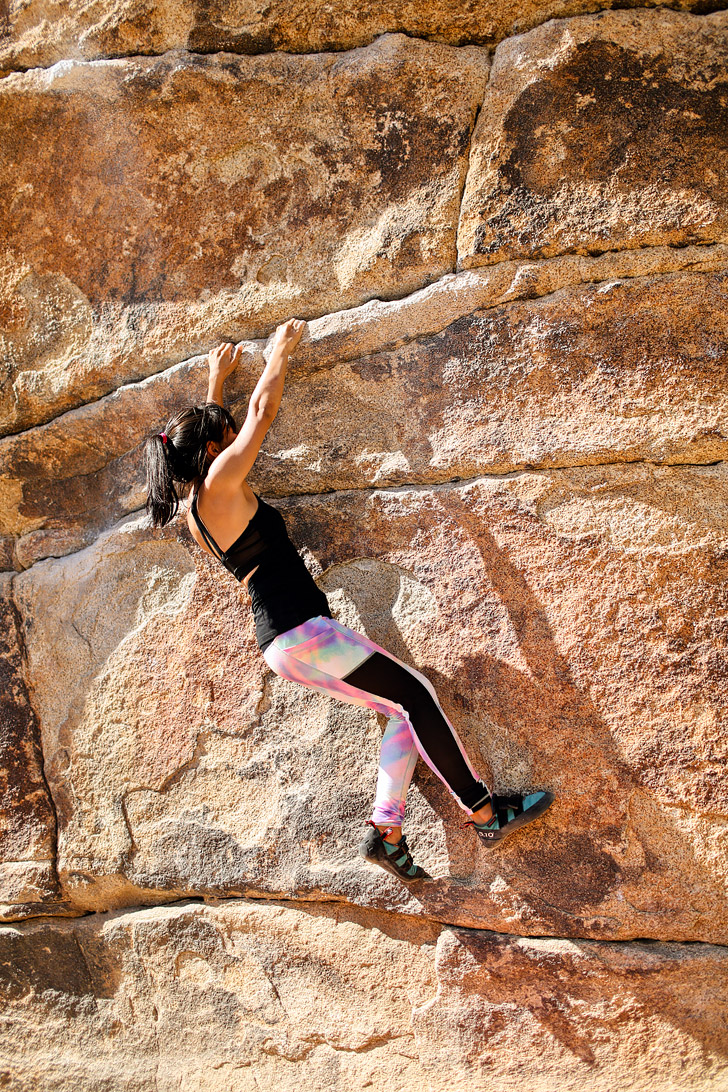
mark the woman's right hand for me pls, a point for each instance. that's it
(288, 335)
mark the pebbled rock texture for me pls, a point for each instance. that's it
(196, 197)
(235, 998)
(600, 133)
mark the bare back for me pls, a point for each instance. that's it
(225, 514)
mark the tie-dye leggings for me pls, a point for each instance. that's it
(326, 655)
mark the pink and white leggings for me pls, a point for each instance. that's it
(328, 656)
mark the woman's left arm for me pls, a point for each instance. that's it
(221, 361)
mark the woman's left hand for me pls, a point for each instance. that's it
(223, 360)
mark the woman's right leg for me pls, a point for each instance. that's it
(326, 655)
(434, 735)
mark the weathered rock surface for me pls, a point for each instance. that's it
(592, 373)
(570, 621)
(191, 198)
(535, 303)
(600, 133)
(236, 997)
(27, 822)
(555, 1014)
(39, 33)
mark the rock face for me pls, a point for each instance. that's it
(502, 454)
(523, 384)
(599, 134)
(174, 174)
(317, 995)
(530, 601)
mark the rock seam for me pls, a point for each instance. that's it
(398, 488)
(490, 45)
(285, 902)
(22, 649)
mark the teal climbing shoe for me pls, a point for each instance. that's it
(510, 813)
(394, 857)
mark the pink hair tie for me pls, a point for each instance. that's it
(164, 437)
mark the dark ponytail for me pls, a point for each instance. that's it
(162, 499)
(179, 454)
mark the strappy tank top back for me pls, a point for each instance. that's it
(282, 591)
(244, 554)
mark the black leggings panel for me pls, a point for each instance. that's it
(386, 678)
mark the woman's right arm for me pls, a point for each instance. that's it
(266, 398)
(233, 464)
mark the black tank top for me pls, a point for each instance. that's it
(283, 593)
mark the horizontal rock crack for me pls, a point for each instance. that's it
(422, 487)
(303, 903)
(466, 42)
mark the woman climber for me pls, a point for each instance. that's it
(201, 447)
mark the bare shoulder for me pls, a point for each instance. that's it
(225, 514)
(216, 493)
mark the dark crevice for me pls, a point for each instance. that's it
(200, 51)
(23, 652)
(304, 904)
(421, 487)
(466, 172)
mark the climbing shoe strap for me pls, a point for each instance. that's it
(398, 852)
(506, 808)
